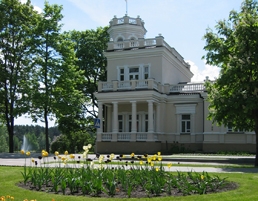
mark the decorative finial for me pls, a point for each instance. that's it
(126, 8)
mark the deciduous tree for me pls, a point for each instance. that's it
(17, 22)
(234, 47)
(55, 76)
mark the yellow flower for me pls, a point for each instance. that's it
(89, 146)
(159, 158)
(149, 159)
(101, 158)
(72, 156)
(45, 154)
(152, 164)
(157, 169)
(66, 152)
(32, 160)
(12, 198)
(141, 162)
(169, 165)
(132, 155)
(28, 153)
(56, 153)
(85, 148)
(202, 177)
(112, 156)
(63, 158)
(22, 151)
(159, 153)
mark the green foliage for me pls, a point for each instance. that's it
(233, 96)
(3, 139)
(93, 180)
(17, 22)
(72, 143)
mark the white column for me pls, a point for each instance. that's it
(158, 118)
(109, 118)
(150, 116)
(99, 130)
(134, 129)
(115, 117)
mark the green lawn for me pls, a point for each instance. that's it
(247, 190)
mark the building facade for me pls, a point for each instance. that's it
(148, 102)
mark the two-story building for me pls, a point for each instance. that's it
(148, 103)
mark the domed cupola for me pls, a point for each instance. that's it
(126, 28)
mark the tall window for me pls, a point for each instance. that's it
(146, 72)
(134, 73)
(186, 123)
(120, 123)
(146, 122)
(122, 74)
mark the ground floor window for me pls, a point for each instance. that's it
(186, 123)
(125, 122)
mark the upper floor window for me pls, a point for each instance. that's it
(140, 72)
(134, 73)
(122, 74)
(146, 72)
(120, 39)
(186, 123)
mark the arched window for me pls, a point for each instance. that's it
(120, 39)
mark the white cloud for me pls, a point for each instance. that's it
(36, 8)
(97, 12)
(200, 74)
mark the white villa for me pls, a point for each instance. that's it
(148, 102)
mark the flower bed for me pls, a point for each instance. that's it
(136, 176)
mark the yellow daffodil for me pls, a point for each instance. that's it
(202, 177)
(169, 165)
(12, 198)
(89, 146)
(159, 153)
(66, 152)
(112, 156)
(101, 158)
(141, 162)
(149, 159)
(32, 160)
(64, 158)
(85, 148)
(157, 169)
(22, 151)
(45, 154)
(56, 153)
(72, 156)
(28, 153)
(159, 158)
(132, 155)
(152, 164)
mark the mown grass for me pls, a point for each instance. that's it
(247, 190)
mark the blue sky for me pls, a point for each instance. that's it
(183, 23)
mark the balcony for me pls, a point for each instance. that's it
(142, 43)
(150, 84)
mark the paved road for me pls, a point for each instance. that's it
(16, 159)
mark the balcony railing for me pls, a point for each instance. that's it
(150, 84)
(145, 43)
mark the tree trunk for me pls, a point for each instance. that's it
(46, 132)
